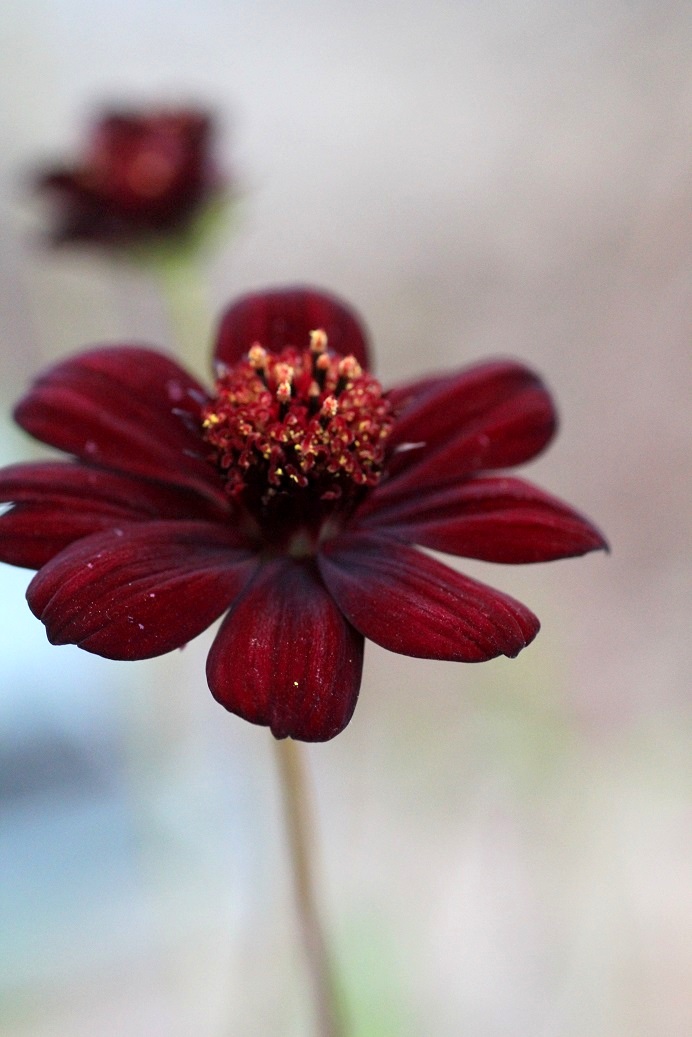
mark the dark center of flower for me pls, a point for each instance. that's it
(298, 437)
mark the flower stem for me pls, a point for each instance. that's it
(185, 295)
(293, 775)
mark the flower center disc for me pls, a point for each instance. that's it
(298, 434)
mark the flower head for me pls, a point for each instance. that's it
(289, 497)
(142, 175)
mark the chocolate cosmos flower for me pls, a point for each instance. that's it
(288, 498)
(141, 175)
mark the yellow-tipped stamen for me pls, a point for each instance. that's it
(257, 356)
(318, 341)
(330, 407)
(283, 392)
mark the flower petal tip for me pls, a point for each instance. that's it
(285, 657)
(286, 316)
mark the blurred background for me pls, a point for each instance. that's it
(504, 848)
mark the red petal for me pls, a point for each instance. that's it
(286, 657)
(492, 416)
(404, 396)
(411, 604)
(498, 520)
(140, 590)
(285, 317)
(127, 408)
(56, 503)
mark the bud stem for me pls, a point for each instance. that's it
(185, 295)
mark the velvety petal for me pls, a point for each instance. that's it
(411, 604)
(403, 396)
(496, 519)
(285, 317)
(127, 408)
(492, 416)
(140, 590)
(286, 657)
(55, 503)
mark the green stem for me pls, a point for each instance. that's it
(292, 769)
(185, 295)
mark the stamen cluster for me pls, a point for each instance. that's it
(298, 420)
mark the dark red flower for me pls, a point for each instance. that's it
(142, 175)
(288, 498)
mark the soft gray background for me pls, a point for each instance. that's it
(505, 848)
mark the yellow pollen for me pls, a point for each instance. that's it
(350, 368)
(284, 373)
(330, 406)
(283, 392)
(318, 340)
(257, 356)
